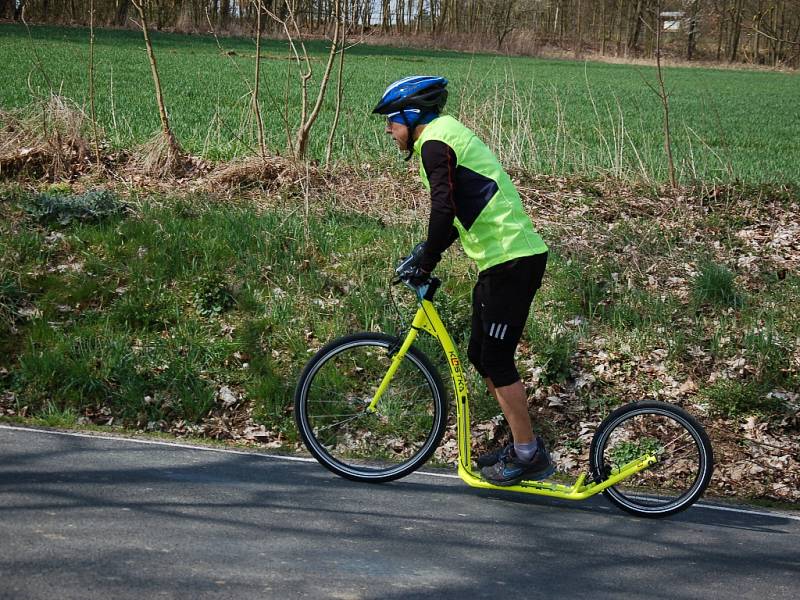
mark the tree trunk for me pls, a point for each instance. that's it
(721, 34)
(224, 12)
(399, 13)
(795, 58)
(780, 32)
(257, 82)
(339, 93)
(92, 111)
(638, 14)
(472, 17)
(663, 95)
(386, 16)
(628, 19)
(736, 31)
(366, 15)
(617, 27)
(307, 121)
(692, 40)
(122, 12)
(603, 28)
(5, 8)
(18, 10)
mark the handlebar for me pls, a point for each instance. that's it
(407, 268)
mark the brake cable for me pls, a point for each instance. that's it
(399, 318)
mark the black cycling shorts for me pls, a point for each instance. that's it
(501, 301)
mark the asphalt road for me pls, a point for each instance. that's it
(93, 518)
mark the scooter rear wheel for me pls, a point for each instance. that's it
(684, 458)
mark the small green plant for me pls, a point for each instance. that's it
(53, 415)
(61, 188)
(625, 452)
(581, 288)
(10, 296)
(194, 395)
(56, 207)
(147, 309)
(272, 393)
(574, 445)
(12, 193)
(554, 350)
(715, 284)
(737, 398)
(591, 291)
(765, 351)
(599, 403)
(212, 296)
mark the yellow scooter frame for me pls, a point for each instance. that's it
(427, 319)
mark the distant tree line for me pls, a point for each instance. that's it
(752, 31)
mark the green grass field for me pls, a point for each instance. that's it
(542, 116)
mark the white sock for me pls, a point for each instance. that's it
(525, 452)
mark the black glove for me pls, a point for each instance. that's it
(408, 263)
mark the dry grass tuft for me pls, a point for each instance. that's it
(387, 196)
(50, 139)
(160, 157)
(271, 173)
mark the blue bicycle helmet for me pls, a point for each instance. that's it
(413, 101)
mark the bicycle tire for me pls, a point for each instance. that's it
(685, 458)
(334, 390)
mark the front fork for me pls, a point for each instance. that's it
(427, 319)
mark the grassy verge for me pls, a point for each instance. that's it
(191, 316)
(150, 311)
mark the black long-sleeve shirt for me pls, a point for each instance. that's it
(439, 162)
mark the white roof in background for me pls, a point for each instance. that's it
(672, 15)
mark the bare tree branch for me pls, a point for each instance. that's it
(257, 81)
(162, 110)
(307, 119)
(91, 83)
(339, 93)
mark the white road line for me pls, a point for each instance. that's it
(441, 475)
(776, 515)
(161, 443)
(745, 511)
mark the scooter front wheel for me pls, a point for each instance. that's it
(332, 411)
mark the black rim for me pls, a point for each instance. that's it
(685, 498)
(319, 450)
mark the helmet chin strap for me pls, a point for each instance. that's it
(409, 138)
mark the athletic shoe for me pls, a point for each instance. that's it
(510, 470)
(488, 459)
